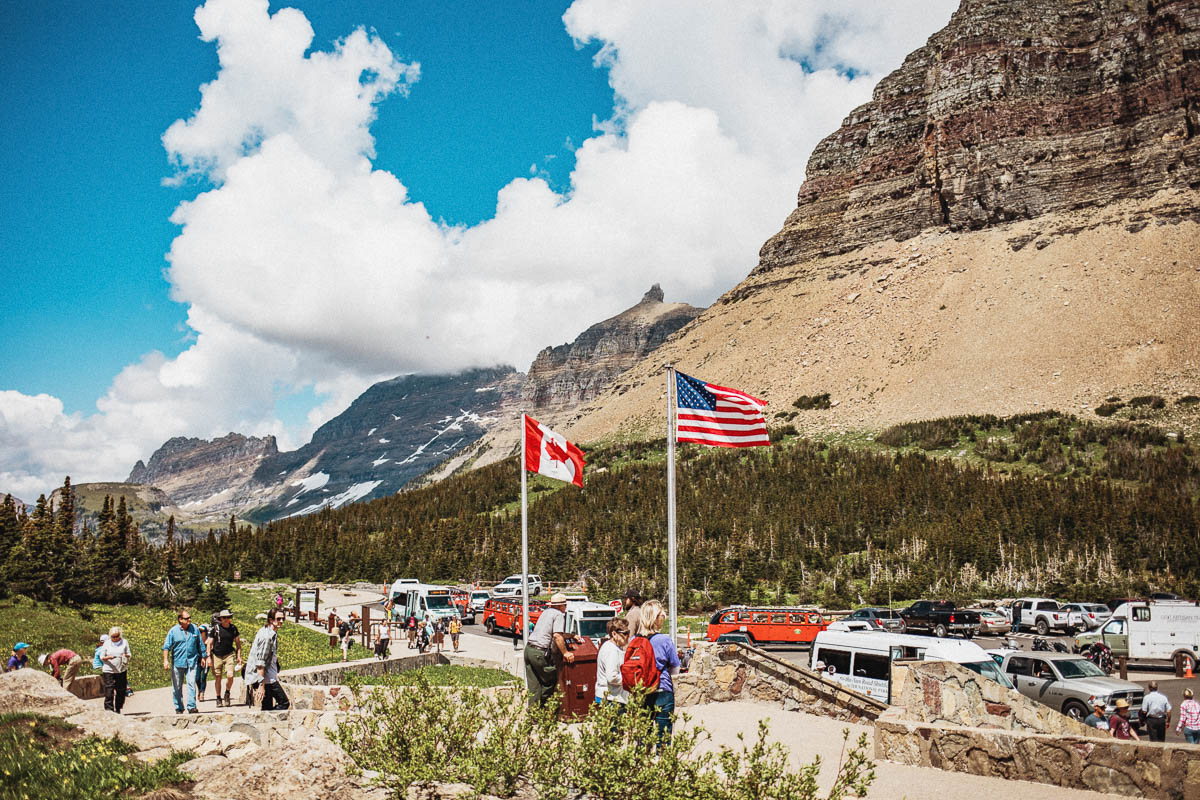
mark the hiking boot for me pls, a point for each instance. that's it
(193, 711)
(219, 701)
(227, 703)
(179, 711)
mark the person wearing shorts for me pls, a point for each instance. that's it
(225, 653)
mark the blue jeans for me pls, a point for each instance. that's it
(180, 675)
(663, 704)
(201, 677)
(1192, 735)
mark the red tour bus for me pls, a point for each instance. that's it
(768, 625)
(504, 613)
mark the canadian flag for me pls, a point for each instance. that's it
(550, 454)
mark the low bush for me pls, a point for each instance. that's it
(1147, 400)
(1108, 409)
(442, 675)
(809, 402)
(1188, 400)
(426, 735)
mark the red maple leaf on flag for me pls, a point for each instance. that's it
(555, 451)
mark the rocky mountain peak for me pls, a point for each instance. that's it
(191, 469)
(574, 373)
(1013, 110)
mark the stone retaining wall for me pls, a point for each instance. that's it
(739, 672)
(264, 728)
(335, 674)
(1145, 769)
(941, 691)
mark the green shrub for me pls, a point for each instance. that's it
(1188, 400)
(1108, 409)
(809, 402)
(1147, 400)
(424, 735)
(441, 675)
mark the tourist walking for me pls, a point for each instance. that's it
(631, 601)
(1156, 711)
(1189, 718)
(181, 654)
(608, 663)
(262, 667)
(64, 664)
(225, 654)
(412, 631)
(541, 673)
(19, 657)
(344, 637)
(114, 670)
(1118, 723)
(439, 634)
(455, 632)
(383, 640)
(1097, 719)
(202, 665)
(666, 658)
(97, 664)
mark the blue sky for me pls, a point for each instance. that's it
(237, 217)
(84, 223)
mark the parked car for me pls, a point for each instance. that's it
(1093, 615)
(1045, 615)
(1067, 683)
(992, 622)
(886, 619)
(479, 598)
(511, 586)
(940, 618)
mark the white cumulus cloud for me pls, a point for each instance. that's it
(305, 267)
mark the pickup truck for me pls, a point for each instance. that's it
(940, 618)
(1067, 683)
(1044, 615)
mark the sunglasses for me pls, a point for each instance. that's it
(185, 619)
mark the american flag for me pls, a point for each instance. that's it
(711, 414)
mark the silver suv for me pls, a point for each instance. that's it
(511, 586)
(1067, 683)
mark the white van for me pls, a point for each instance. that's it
(862, 660)
(1150, 631)
(589, 619)
(401, 585)
(424, 600)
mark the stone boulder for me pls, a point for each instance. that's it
(37, 691)
(312, 768)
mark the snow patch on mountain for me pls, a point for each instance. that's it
(314, 481)
(356, 492)
(380, 460)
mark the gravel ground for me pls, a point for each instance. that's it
(808, 736)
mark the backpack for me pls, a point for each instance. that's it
(640, 667)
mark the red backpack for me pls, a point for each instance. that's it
(640, 667)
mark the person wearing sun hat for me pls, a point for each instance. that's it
(541, 673)
(19, 657)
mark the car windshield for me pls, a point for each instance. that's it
(887, 613)
(437, 601)
(1078, 668)
(593, 627)
(990, 670)
(480, 596)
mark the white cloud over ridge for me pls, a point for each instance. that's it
(305, 266)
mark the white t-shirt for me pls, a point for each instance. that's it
(608, 673)
(117, 655)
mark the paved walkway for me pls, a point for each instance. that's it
(808, 736)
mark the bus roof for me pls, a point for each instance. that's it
(959, 651)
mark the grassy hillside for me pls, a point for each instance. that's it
(47, 628)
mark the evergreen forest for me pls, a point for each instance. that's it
(961, 508)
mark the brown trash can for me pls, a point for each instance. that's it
(577, 680)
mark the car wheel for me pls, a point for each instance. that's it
(1075, 710)
(489, 625)
(1042, 627)
(939, 631)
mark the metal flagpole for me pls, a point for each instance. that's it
(524, 542)
(671, 588)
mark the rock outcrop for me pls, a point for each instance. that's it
(191, 470)
(570, 374)
(1013, 110)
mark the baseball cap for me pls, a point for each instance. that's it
(20, 646)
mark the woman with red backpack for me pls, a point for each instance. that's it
(652, 660)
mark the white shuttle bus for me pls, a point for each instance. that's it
(862, 660)
(423, 600)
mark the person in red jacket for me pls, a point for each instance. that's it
(64, 665)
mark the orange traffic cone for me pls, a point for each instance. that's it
(1187, 669)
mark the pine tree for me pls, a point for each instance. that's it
(10, 528)
(33, 559)
(111, 561)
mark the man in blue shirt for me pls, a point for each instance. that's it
(182, 651)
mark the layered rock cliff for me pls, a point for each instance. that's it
(191, 470)
(1013, 110)
(570, 374)
(1040, 160)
